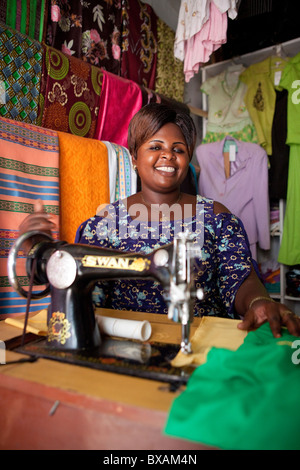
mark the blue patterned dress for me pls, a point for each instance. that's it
(222, 263)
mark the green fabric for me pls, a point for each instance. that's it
(11, 13)
(290, 81)
(289, 251)
(244, 400)
(23, 16)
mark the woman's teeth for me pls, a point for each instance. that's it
(168, 169)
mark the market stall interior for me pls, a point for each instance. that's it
(72, 76)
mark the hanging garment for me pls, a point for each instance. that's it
(289, 252)
(279, 160)
(29, 157)
(245, 191)
(262, 79)
(20, 72)
(139, 43)
(120, 100)
(227, 112)
(84, 181)
(229, 6)
(191, 18)
(201, 45)
(91, 31)
(70, 94)
(243, 400)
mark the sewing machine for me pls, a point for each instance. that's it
(70, 272)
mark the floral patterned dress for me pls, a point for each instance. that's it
(222, 261)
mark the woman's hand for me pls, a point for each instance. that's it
(277, 314)
(38, 221)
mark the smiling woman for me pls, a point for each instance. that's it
(161, 142)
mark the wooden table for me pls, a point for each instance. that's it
(53, 405)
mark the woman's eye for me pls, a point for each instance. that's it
(154, 147)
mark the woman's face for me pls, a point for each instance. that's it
(163, 160)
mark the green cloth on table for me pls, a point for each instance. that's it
(244, 400)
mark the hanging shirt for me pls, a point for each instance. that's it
(227, 111)
(211, 36)
(262, 79)
(289, 252)
(244, 192)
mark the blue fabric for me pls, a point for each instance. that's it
(222, 262)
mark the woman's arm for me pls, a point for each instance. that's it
(254, 304)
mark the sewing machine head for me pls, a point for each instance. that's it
(71, 271)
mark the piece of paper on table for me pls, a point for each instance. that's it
(36, 324)
(212, 332)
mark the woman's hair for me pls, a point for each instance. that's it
(152, 117)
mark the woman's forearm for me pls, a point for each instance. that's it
(252, 288)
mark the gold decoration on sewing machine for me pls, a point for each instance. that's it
(114, 262)
(59, 328)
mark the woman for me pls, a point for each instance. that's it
(161, 142)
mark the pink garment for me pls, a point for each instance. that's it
(199, 48)
(120, 100)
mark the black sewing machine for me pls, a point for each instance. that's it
(70, 272)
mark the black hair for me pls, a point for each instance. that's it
(152, 117)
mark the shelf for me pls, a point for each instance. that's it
(294, 299)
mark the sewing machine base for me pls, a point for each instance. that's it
(145, 360)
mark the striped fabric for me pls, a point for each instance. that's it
(29, 170)
(126, 180)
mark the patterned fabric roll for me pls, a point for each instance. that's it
(84, 181)
(29, 161)
(169, 70)
(70, 94)
(139, 43)
(20, 75)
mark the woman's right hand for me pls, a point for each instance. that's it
(38, 221)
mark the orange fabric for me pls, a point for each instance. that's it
(84, 181)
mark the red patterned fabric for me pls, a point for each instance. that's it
(139, 43)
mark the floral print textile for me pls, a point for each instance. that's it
(117, 35)
(70, 94)
(90, 30)
(222, 262)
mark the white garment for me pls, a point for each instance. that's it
(227, 5)
(192, 16)
(112, 170)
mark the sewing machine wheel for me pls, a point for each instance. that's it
(12, 261)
